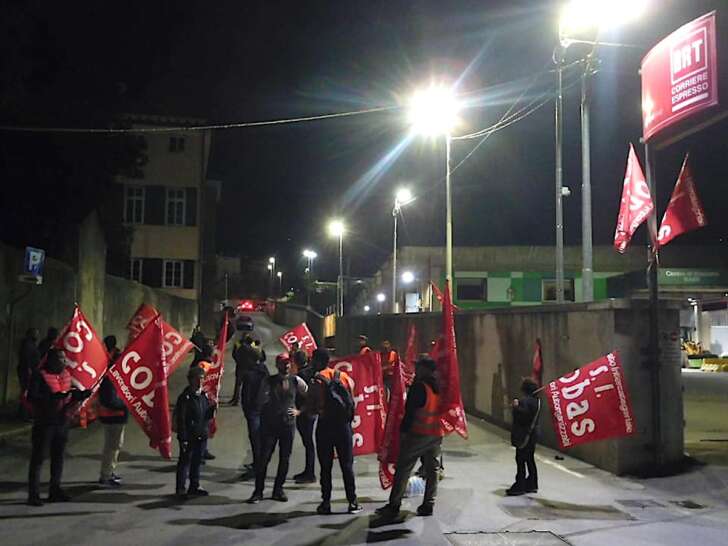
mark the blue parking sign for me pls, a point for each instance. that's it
(34, 261)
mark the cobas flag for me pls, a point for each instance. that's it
(369, 414)
(537, 363)
(213, 378)
(301, 335)
(636, 204)
(389, 448)
(144, 314)
(139, 376)
(592, 403)
(685, 211)
(410, 356)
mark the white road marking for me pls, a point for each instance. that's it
(559, 466)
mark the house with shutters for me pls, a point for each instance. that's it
(165, 207)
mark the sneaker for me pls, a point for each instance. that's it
(387, 511)
(58, 495)
(324, 509)
(424, 510)
(197, 492)
(35, 501)
(354, 508)
(304, 478)
(209, 456)
(255, 498)
(515, 491)
(116, 477)
(110, 482)
(279, 496)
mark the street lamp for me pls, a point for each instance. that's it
(381, 298)
(310, 255)
(367, 308)
(337, 229)
(577, 17)
(432, 112)
(408, 277)
(279, 274)
(403, 197)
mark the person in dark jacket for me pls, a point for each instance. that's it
(278, 425)
(523, 437)
(28, 360)
(52, 396)
(192, 417)
(47, 342)
(306, 420)
(114, 415)
(420, 438)
(245, 357)
(253, 372)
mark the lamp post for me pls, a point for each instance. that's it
(310, 255)
(381, 298)
(279, 274)
(403, 197)
(337, 229)
(434, 111)
(578, 16)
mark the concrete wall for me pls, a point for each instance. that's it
(287, 314)
(495, 350)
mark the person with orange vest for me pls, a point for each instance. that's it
(420, 437)
(389, 359)
(364, 347)
(51, 396)
(114, 415)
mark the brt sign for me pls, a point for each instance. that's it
(680, 76)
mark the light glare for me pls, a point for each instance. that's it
(408, 277)
(580, 15)
(336, 228)
(433, 111)
(381, 297)
(404, 196)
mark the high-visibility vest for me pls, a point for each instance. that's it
(57, 382)
(389, 358)
(427, 418)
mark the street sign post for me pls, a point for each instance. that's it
(33, 266)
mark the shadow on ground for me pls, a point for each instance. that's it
(246, 520)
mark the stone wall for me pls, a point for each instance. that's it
(495, 349)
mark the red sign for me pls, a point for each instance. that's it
(139, 376)
(370, 414)
(685, 211)
(680, 76)
(86, 353)
(301, 335)
(591, 404)
(144, 314)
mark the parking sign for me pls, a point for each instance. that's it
(33, 263)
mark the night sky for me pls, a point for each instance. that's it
(230, 61)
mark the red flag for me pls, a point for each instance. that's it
(591, 403)
(410, 356)
(389, 448)
(437, 291)
(685, 211)
(213, 378)
(144, 314)
(537, 371)
(365, 371)
(636, 204)
(446, 356)
(301, 335)
(139, 376)
(175, 347)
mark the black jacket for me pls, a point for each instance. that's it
(192, 415)
(252, 398)
(51, 408)
(28, 360)
(523, 416)
(245, 357)
(109, 399)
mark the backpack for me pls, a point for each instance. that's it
(338, 401)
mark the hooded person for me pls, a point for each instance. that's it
(47, 342)
(113, 415)
(524, 434)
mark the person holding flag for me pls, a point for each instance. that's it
(420, 437)
(114, 415)
(51, 396)
(523, 437)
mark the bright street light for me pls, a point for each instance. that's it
(580, 15)
(381, 297)
(433, 111)
(337, 229)
(310, 254)
(271, 260)
(367, 308)
(270, 267)
(408, 277)
(279, 274)
(404, 197)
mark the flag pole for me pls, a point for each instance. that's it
(654, 340)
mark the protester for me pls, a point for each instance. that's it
(205, 364)
(297, 355)
(306, 420)
(420, 437)
(28, 360)
(245, 357)
(252, 372)
(198, 340)
(51, 395)
(332, 394)
(389, 359)
(114, 415)
(192, 415)
(47, 342)
(364, 344)
(278, 426)
(523, 438)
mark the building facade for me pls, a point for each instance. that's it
(164, 207)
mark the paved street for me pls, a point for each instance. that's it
(577, 504)
(705, 400)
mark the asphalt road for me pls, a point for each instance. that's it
(577, 503)
(705, 403)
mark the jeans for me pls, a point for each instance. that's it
(113, 440)
(188, 464)
(281, 434)
(525, 460)
(412, 447)
(43, 435)
(305, 426)
(330, 437)
(253, 421)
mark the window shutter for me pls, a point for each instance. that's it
(191, 212)
(189, 274)
(152, 272)
(154, 205)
